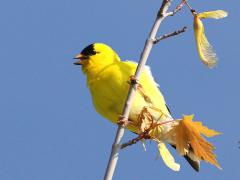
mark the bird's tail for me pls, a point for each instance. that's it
(191, 159)
(183, 134)
(186, 137)
(170, 162)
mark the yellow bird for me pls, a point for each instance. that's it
(107, 78)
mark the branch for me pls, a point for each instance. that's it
(141, 136)
(170, 35)
(193, 11)
(126, 110)
(178, 8)
(145, 134)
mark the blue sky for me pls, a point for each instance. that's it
(49, 129)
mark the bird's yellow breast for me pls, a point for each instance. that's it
(109, 89)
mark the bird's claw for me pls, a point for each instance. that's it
(133, 80)
(122, 121)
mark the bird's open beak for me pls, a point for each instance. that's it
(80, 58)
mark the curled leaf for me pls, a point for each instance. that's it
(205, 49)
(187, 135)
(167, 157)
(218, 14)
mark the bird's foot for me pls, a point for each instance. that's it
(135, 82)
(122, 121)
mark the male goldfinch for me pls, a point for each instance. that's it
(107, 78)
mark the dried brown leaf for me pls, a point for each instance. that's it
(188, 134)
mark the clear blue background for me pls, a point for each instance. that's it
(49, 129)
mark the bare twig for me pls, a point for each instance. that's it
(141, 136)
(144, 135)
(126, 110)
(178, 8)
(193, 11)
(170, 35)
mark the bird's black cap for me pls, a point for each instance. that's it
(89, 50)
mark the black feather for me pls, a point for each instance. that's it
(89, 50)
(194, 164)
(168, 109)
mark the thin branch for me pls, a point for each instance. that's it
(140, 137)
(170, 35)
(193, 11)
(126, 110)
(145, 134)
(178, 8)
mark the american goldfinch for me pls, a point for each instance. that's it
(107, 77)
